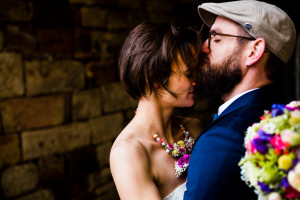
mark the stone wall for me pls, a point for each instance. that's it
(61, 103)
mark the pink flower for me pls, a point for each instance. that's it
(291, 193)
(250, 147)
(277, 143)
(184, 160)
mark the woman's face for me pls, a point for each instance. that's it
(181, 85)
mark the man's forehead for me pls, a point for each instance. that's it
(224, 25)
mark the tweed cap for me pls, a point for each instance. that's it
(260, 20)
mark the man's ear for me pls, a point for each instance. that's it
(255, 51)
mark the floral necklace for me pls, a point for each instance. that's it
(181, 150)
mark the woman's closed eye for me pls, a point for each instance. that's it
(188, 75)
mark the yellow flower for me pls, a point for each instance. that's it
(285, 162)
(180, 143)
(175, 152)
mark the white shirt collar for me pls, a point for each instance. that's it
(230, 101)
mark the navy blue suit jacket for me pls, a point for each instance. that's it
(213, 171)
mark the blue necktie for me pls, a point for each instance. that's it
(214, 117)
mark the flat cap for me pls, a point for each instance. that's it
(260, 20)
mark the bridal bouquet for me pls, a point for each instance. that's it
(272, 161)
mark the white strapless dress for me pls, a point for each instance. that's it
(177, 194)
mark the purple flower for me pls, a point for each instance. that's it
(184, 160)
(260, 145)
(284, 182)
(170, 146)
(264, 136)
(277, 109)
(264, 187)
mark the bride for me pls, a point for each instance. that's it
(158, 66)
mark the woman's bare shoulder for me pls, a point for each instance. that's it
(127, 144)
(129, 155)
(131, 169)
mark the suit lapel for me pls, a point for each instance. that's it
(256, 96)
(240, 102)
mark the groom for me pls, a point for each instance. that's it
(248, 46)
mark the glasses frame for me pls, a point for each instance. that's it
(226, 35)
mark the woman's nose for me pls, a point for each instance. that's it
(205, 48)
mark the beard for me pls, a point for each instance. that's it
(220, 78)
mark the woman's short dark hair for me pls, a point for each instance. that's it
(150, 49)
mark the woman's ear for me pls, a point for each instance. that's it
(255, 51)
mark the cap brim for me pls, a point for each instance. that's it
(207, 17)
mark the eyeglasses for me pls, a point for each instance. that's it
(213, 34)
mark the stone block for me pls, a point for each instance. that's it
(81, 163)
(116, 98)
(82, 43)
(107, 192)
(160, 17)
(10, 152)
(119, 20)
(55, 14)
(103, 151)
(191, 2)
(86, 57)
(11, 76)
(27, 113)
(61, 139)
(52, 170)
(57, 41)
(108, 43)
(106, 128)
(131, 4)
(13, 11)
(39, 195)
(95, 2)
(19, 40)
(57, 76)
(1, 40)
(19, 179)
(86, 104)
(109, 37)
(125, 19)
(166, 6)
(94, 17)
(98, 178)
(99, 73)
(84, 2)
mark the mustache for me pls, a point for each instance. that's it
(220, 78)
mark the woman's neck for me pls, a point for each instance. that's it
(155, 118)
